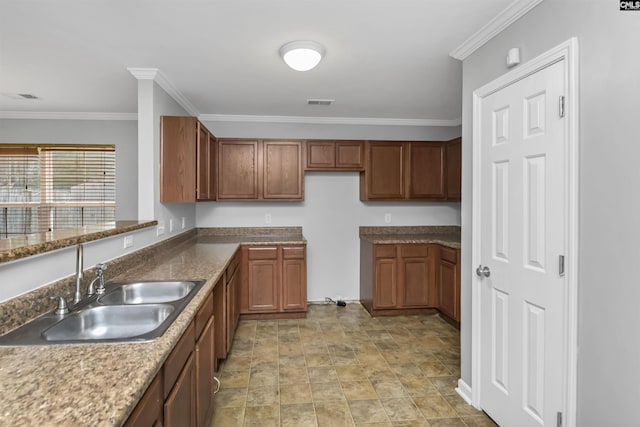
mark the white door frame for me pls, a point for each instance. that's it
(567, 51)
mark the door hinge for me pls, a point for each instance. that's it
(561, 106)
(559, 419)
(561, 265)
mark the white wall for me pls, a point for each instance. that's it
(27, 274)
(330, 217)
(121, 133)
(609, 351)
(332, 210)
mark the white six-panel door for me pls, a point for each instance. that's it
(522, 194)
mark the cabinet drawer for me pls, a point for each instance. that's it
(293, 252)
(203, 315)
(448, 254)
(385, 251)
(178, 358)
(409, 251)
(263, 253)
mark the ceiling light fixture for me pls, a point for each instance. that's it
(302, 55)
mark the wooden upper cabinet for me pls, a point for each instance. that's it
(238, 169)
(283, 175)
(426, 173)
(454, 169)
(321, 155)
(178, 159)
(185, 160)
(349, 155)
(383, 178)
(202, 175)
(335, 155)
(397, 170)
(260, 170)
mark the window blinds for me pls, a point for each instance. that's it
(50, 187)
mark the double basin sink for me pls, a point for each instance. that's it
(128, 312)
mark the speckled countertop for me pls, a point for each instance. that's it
(33, 244)
(100, 384)
(443, 235)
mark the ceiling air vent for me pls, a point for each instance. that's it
(316, 101)
(20, 96)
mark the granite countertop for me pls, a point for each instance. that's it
(18, 247)
(443, 235)
(100, 384)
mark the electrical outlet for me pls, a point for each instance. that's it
(128, 241)
(160, 228)
(267, 218)
(171, 225)
(184, 223)
(387, 218)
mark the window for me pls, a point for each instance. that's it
(51, 187)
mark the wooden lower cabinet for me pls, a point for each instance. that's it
(273, 280)
(182, 393)
(180, 405)
(205, 370)
(233, 304)
(150, 409)
(449, 283)
(415, 274)
(401, 278)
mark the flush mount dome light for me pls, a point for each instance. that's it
(302, 55)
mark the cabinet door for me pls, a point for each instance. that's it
(321, 155)
(283, 177)
(386, 283)
(220, 321)
(415, 275)
(202, 163)
(447, 288)
(204, 374)
(148, 412)
(349, 155)
(178, 159)
(384, 171)
(454, 168)
(180, 405)
(212, 168)
(238, 169)
(263, 280)
(231, 312)
(426, 170)
(294, 286)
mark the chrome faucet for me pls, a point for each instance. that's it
(100, 290)
(79, 275)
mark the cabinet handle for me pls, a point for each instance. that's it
(217, 381)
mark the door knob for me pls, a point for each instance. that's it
(483, 271)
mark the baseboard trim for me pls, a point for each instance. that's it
(464, 391)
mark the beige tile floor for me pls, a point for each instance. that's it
(341, 367)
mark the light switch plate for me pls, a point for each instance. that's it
(160, 228)
(128, 241)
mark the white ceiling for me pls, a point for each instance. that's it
(385, 58)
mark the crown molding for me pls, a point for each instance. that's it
(508, 16)
(328, 120)
(143, 73)
(158, 76)
(46, 115)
